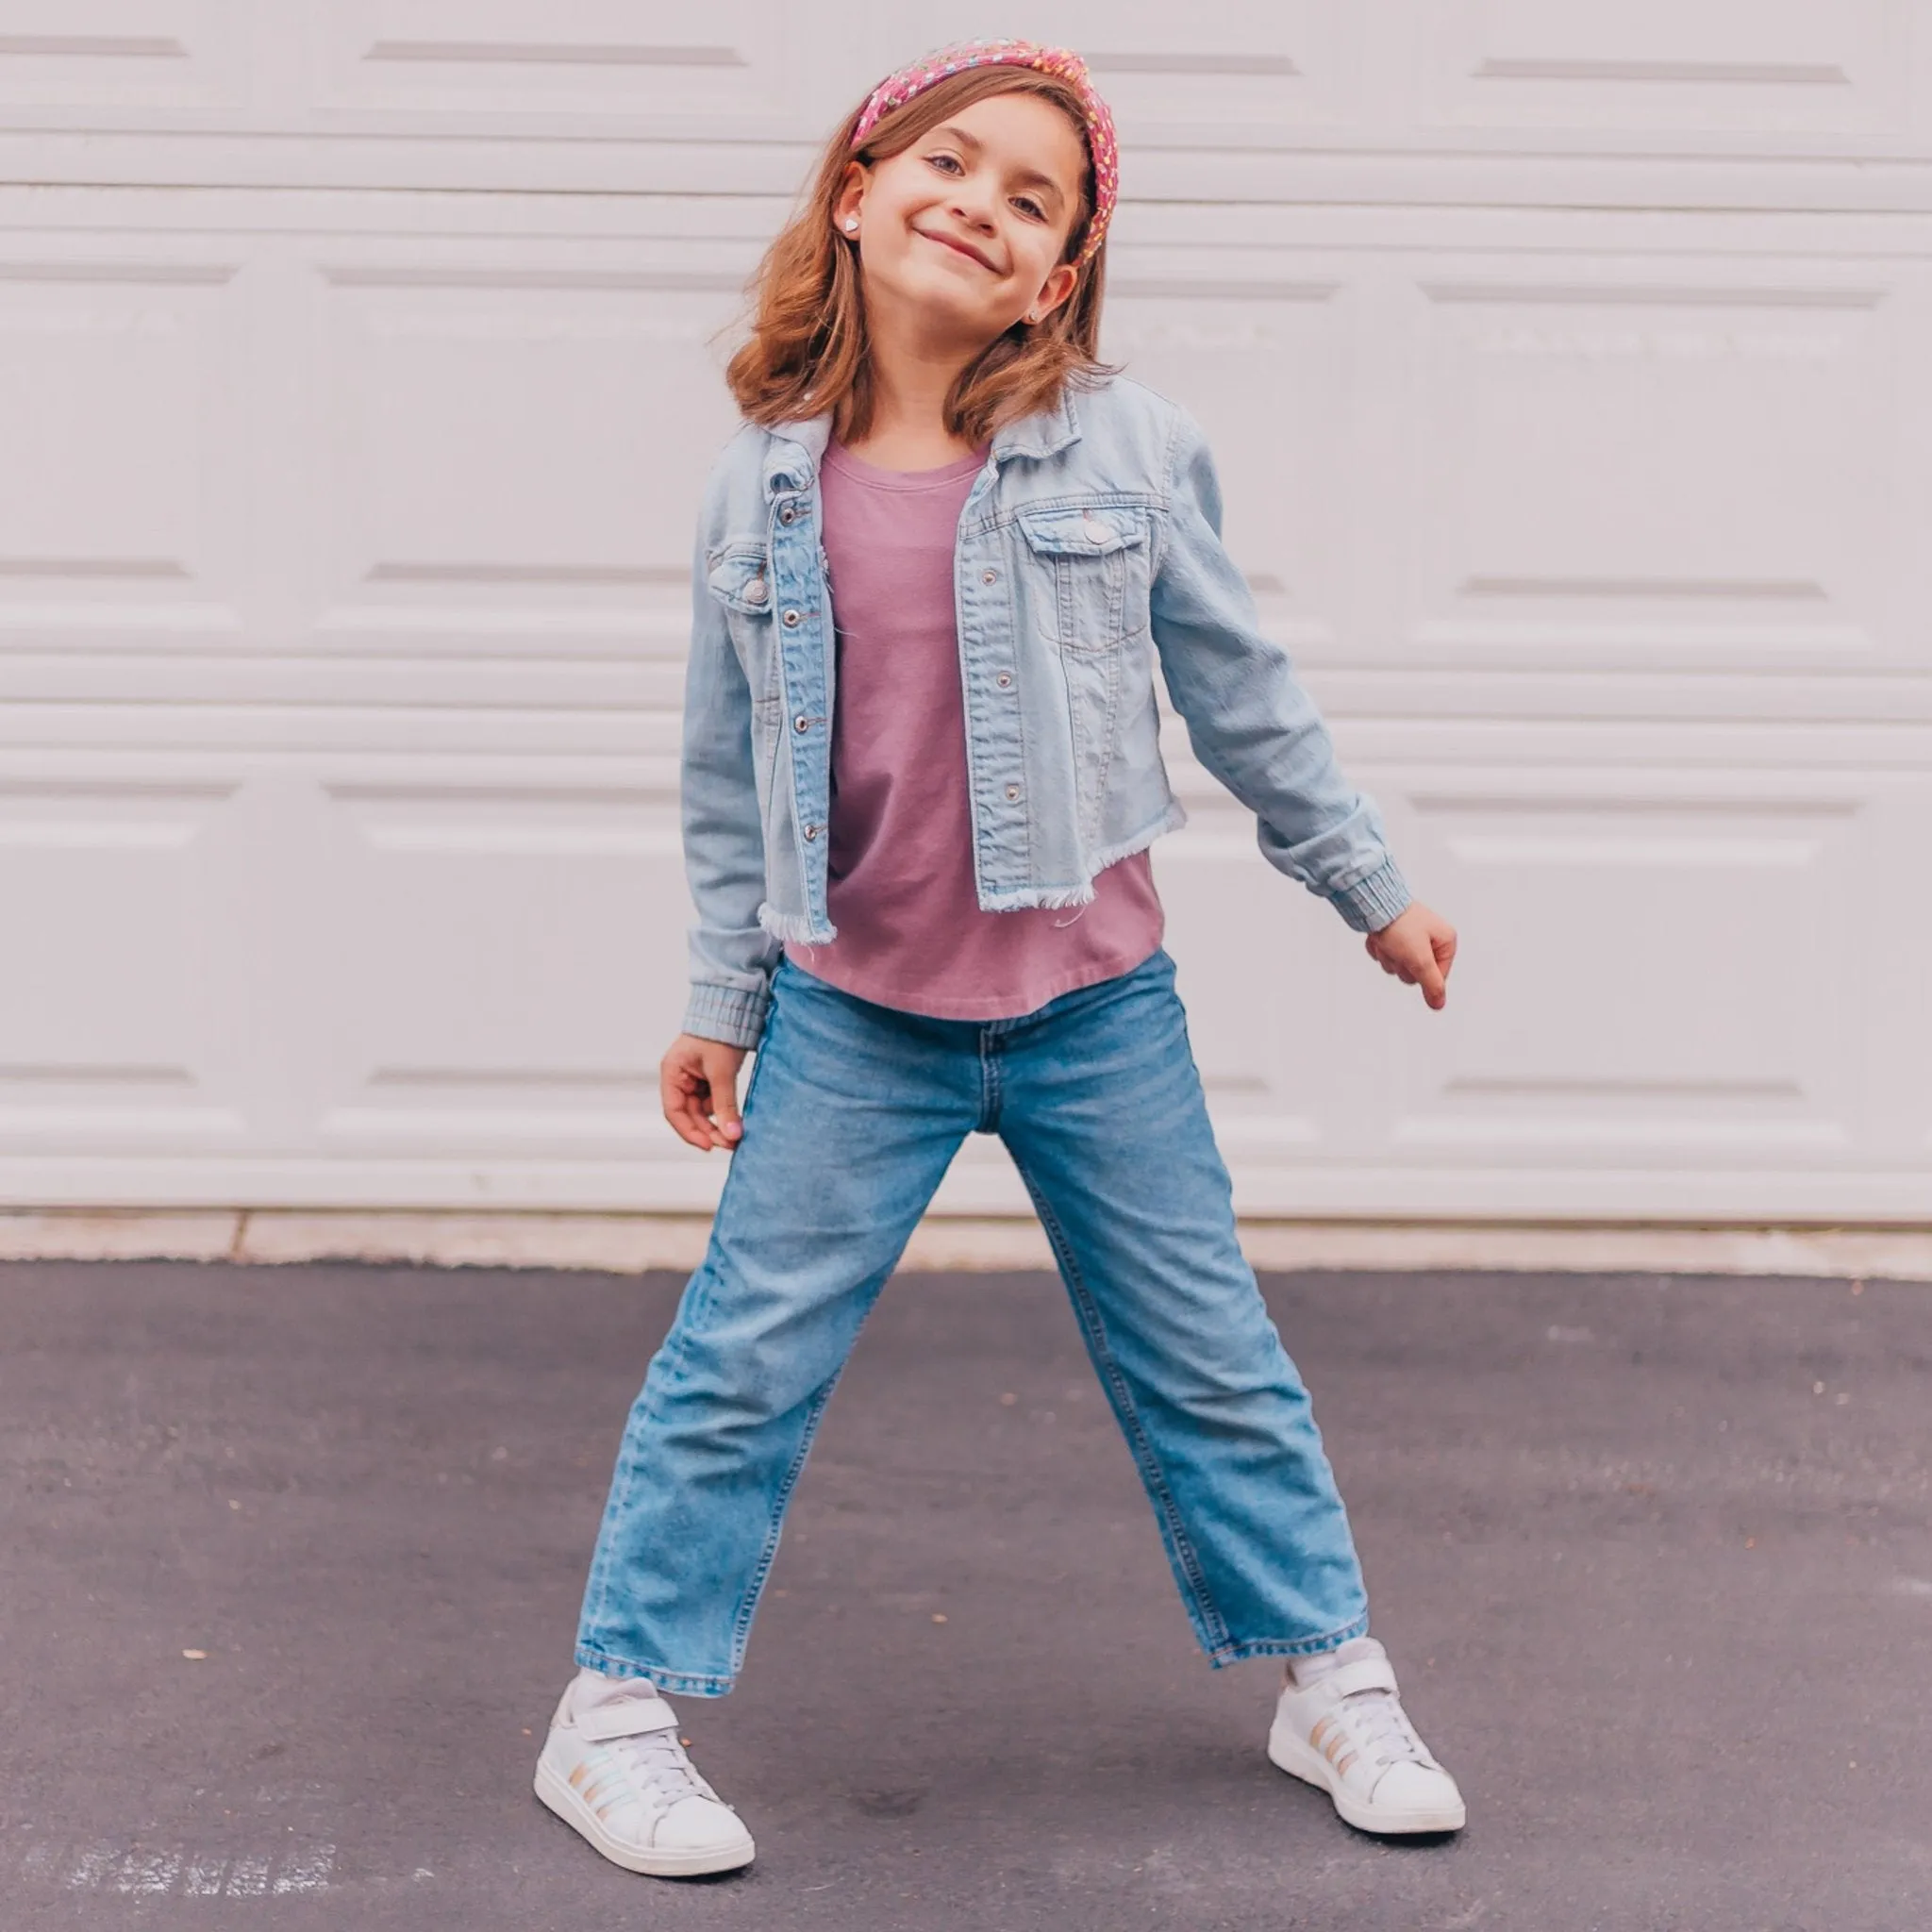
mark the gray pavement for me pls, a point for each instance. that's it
(1650, 1553)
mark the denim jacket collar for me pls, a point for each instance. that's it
(793, 454)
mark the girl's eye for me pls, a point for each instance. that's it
(948, 163)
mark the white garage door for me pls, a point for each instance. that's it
(1568, 365)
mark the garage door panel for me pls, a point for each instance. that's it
(1708, 474)
(495, 484)
(1265, 364)
(113, 992)
(1773, 67)
(454, 61)
(1246, 73)
(123, 453)
(508, 959)
(152, 58)
(1645, 977)
(1236, 921)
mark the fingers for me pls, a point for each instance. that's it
(681, 1090)
(1431, 979)
(1436, 970)
(676, 1090)
(721, 1065)
(1426, 966)
(697, 1086)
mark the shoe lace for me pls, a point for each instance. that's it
(1382, 1730)
(656, 1761)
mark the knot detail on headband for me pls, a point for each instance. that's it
(897, 88)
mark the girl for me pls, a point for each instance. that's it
(917, 837)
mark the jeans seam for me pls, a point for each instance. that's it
(988, 1080)
(668, 1367)
(1209, 1624)
(669, 1362)
(748, 1604)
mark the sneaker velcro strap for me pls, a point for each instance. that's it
(629, 1717)
(1370, 1673)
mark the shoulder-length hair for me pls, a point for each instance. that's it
(808, 348)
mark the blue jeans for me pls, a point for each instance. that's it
(853, 1114)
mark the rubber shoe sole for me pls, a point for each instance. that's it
(554, 1792)
(1300, 1759)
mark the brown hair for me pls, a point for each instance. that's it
(807, 352)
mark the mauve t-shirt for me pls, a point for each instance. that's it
(901, 890)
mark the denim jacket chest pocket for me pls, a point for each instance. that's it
(1089, 580)
(738, 575)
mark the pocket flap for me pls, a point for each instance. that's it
(1080, 532)
(739, 578)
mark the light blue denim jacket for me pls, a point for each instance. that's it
(1089, 548)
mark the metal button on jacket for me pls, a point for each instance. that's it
(790, 619)
(989, 576)
(801, 724)
(755, 592)
(1098, 529)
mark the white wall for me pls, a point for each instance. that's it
(1570, 367)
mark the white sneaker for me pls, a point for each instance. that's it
(615, 1770)
(1345, 1730)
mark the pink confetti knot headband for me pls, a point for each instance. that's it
(897, 88)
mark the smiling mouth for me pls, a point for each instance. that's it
(957, 249)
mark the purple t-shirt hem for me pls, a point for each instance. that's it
(819, 962)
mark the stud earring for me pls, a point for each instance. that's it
(851, 224)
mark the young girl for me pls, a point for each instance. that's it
(917, 837)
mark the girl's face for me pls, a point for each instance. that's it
(965, 228)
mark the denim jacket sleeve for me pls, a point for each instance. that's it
(732, 958)
(1251, 723)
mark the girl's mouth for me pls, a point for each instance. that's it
(957, 249)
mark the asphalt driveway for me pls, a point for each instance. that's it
(292, 1559)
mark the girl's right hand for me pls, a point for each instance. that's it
(697, 1080)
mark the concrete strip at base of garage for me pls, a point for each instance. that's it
(631, 1244)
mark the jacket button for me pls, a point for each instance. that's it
(790, 619)
(801, 724)
(812, 832)
(786, 514)
(1098, 530)
(755, 592)
(1012, 793)
(1004, 680)
(989, 576)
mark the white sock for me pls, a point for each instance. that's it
(1303, 1670)
(593, 1687)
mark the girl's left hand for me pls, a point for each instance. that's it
(1418, 947)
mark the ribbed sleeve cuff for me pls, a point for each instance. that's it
(727, 1013)
(1371, 903)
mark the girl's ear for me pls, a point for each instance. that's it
(845, 204)
(1053, 291)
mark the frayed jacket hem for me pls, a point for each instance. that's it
(795, 929)
(1056, 898)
